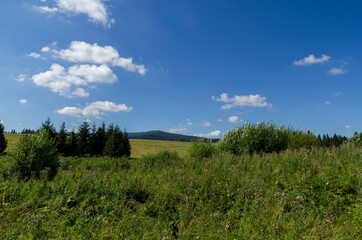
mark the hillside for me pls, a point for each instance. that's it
(160, 135)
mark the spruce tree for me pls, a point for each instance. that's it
(83, 138)
(61, 140)
(100, 139)
(72, 145)
(49, 128)
(3, 141)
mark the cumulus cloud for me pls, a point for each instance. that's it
(348, 127)
(214, 134)
(205, 123)
(234, 119)
(45, 49)
(62, 81)
(337, 71)
(311, 59)
(82, 52)
(242, 101)
(177, 130)
(94, 109)
(23, 101)
(34, 55)
(96, 10)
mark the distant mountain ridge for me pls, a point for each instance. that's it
(160, 135)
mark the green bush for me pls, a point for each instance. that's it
(302, 139)
(3, 142)
(356, 138)
(201, 149)
(35, 154)
(255, 138)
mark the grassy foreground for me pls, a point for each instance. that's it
(294, 195)
(139, 147)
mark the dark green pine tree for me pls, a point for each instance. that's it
(3, 141)
(83, 139)
(126, 146)
(115, 146)
(101, 138)
(72, 145)
(61, 140)
(49, 128)
(93, 140)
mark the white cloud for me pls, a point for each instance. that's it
(94, 109)
(311, 59)
(219, 120)
(1, 121)
(234, 119)
(45, 49)
(61, 81)
(23, 101)
(95, 9)
(20, 78)
(327, 103)
(242, 101)
(80, 92)
(189, 123)
(34, 55)
(214, 134)
(348, 127)
(82, 52)
(205, 123)
(337, 71)
(177, 130)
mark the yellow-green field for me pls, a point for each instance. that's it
(139, 147)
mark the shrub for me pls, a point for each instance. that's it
(201, 149)
(3, 142)
(35, 154)
(302, 139)
(355, 139)
(255, 138)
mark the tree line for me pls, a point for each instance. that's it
(88, 141)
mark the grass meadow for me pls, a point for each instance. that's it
(305, 194)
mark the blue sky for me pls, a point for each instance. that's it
(190, 67)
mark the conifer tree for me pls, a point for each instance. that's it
(49, 128)
(61, 140)
(72, 145)
(100, 139)
(83, 138)
(3, 141)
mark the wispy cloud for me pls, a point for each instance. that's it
(33, 55)
(242, 101)
(214, 134)
(327, 103)
(96, 10)
(20, 78)
(336, 94)
(205, 123)
(348, 127)
(23, 101)
(311, 59)
(177, 130)
(94, 109)
(337, 71)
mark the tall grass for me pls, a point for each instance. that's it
(311, 194)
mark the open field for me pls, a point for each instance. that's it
(139, 147)
(293, 195)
